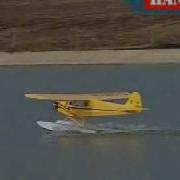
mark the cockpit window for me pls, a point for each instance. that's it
(79, 103)
(117, 101)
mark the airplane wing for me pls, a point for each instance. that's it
(69, 97)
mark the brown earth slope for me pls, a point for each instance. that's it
(39, 25)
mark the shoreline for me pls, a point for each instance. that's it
(98, 57)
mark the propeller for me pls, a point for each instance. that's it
(56, 105)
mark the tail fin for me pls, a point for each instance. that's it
(135, 101)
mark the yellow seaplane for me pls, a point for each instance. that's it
(80, 107)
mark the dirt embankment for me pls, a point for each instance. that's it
(43, 25)
(101, 57)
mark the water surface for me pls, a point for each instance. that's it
(28, 152)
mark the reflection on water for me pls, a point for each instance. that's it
(101, 157)
(130, 137)
(89, 139)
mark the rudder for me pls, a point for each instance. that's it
(135, 100)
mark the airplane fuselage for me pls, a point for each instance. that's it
(96, 108)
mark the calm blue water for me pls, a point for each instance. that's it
(28, 152)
